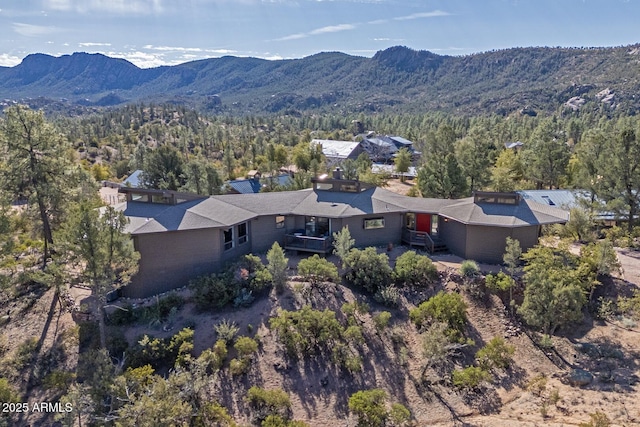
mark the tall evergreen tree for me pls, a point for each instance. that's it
(547, 155)
(474, 154)
(164, 169)
(441, 176)
(402, 162)
(35, 163)
(98, 243)
(619, 173)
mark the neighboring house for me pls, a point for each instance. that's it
(181, 236)
(256, 182)
(133, 180)
(569, 199)
(379, 168)
(379, 149)
(385, 148)
(337, 151)
(513, 145)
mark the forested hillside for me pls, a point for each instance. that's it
(311, 341)
(397, 79)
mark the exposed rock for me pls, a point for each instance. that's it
(579, 378)
(575, 103)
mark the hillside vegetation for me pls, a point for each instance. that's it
(397, 79)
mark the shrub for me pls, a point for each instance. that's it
(268, 402)
(369, 407)
(443, 307)
(251, 273)
(342, 244)
(25, 353)
(317, 270)
(306, 331)
(213, 291)
(277, 266)
(123, 316)
(630, 306)
(226, 330)
(435, 343)
(244, 298)
(353, 334)
(399, 415)
(245, 346)
(278, 421)
(381, 320)
(388, 295)
(7, 393)
(469, 269)
(500, 282)
(59, 380)
(413, 269)
(368, 270)
(353, 363)
(239, 366)
(597, 419)
(537, 385)
(148, 351)
(181, 345)
(214, 414)
(213, 359)
(469, 377)
(497, 354)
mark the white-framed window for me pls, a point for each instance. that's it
(243, 236)
(373, 223)
(279, 221)
(228, 238)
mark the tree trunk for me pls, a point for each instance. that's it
(46, 230)
(102, 327)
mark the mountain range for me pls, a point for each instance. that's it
(399, 79)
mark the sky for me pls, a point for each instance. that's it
(151, 33)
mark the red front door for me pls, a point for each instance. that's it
(423, 223)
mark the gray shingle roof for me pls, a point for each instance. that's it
(336, 149)
(504, 215)
(227, 210)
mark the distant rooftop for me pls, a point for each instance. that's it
(336, 149)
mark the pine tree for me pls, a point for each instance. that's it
(35, 162)
(97, 242)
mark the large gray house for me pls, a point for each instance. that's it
(181, 236)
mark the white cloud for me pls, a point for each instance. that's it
(420, 15)
(296, 36)
(30, 30)
(332, 29)
(91, 44)
(324, 30)
(143, 59)
(172, 48)
(7, 60)
(111, 6)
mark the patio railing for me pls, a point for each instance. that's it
(418, 238)
(298, 242)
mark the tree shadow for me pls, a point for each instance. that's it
(485, 400)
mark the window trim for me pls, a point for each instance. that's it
(243, 238)
(228, 244)
(373, 223)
